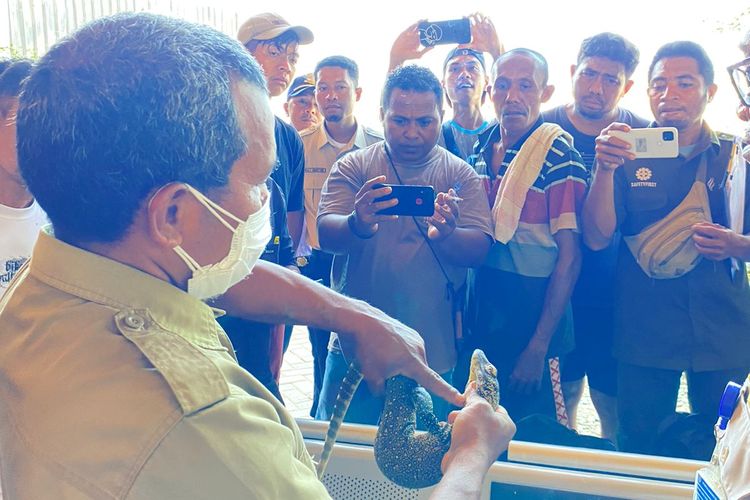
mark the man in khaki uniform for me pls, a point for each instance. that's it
(115, 382)
(337, 91)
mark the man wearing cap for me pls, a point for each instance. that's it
(336, 92)
(273, 43)
(464, 80)
(300, 103)
(303, 113)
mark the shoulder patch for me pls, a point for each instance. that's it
(195, 380)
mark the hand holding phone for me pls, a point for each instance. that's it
(412, 200)
(656, 142)
(445, 32)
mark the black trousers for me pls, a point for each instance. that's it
(647, 397)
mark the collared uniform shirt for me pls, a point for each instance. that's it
(117, 385)
(320, 154)
(701, 320)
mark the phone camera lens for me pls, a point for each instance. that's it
(667, 135)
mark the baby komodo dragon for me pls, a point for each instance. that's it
(408, 457)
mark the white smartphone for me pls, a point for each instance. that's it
(657, 142)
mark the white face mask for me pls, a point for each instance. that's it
(249, 240)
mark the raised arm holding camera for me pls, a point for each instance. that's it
(464, 74)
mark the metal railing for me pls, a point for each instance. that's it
(590, 472)
(29, 27)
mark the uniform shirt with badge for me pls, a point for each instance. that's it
(321, 152)
(116, 384)
(700, 320)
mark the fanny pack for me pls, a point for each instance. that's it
(665, 249)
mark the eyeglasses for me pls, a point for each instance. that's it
(740, 76)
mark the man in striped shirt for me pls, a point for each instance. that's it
(519, 301)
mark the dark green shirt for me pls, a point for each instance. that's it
(699, 321)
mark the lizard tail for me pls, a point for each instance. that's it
(348, 387)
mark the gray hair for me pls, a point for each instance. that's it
(123, 106)
(539, 61)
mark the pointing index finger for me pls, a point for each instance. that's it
(435, 384)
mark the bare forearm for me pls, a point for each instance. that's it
(335, 234)
(383, 346)
(463, 479)
(273, 294)
(394, 61)
(599, 218)
(465, 247)
(559, 290)
(496, 50)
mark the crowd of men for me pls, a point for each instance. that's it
(552, 247)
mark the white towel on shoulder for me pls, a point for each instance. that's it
(520, 176)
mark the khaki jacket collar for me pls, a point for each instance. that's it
(105, 281)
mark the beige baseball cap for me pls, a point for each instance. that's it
(267, 26)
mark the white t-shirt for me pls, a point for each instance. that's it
(19, 228)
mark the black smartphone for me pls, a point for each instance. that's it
(442, 32)
(412, 200)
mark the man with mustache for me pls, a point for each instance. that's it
(682, 296)
(336, 92)
(601, 77)
(535, 181)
